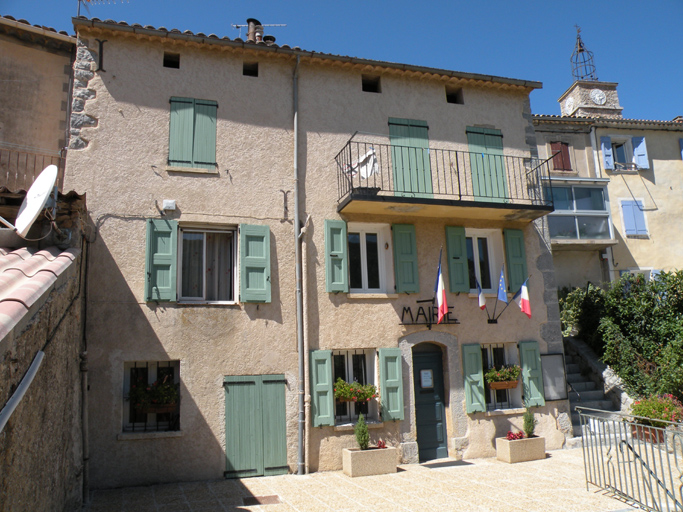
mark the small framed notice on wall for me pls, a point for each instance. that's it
(426, 379)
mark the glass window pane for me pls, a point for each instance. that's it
(359, 374)
(484, 266)
(193, 265)
(339, 363)
(562, 198)
(593, 227)
(219, 266)
(138, 377)
(372, 259)
(355, 268)
(562, 227)
(589, 199)
(470, 263)
(619, 151)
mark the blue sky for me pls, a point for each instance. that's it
(636, 43)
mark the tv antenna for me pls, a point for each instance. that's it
(35, 200)
(96, 2)
(240, 27)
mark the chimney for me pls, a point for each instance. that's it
(269, 40)
(254, 24)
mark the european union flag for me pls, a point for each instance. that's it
(502, 289)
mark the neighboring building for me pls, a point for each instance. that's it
(35, 87)
(190, 150)
(616, 186)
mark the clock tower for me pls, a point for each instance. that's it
(587, 96)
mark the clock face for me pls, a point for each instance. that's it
(569, 106)
(598, 97)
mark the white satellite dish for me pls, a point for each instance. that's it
(34, 202)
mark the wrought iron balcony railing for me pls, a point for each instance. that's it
(20, 168)
(380, 170)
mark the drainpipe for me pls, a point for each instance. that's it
(299, 293)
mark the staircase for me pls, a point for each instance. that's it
(583, 389)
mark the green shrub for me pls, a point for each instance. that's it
(353, 392)
(663, 407)
(580, 311)
(530, 422)
(362, 434)
(503, 373)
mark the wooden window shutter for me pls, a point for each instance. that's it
(516, 258)
(405, 258)
(640, 153)
(254, 263)
(561, 161)
(322, 388)
(456, 252)
(473, 373)
(634, 218)
(532, 376)
(181, 132)
(336, 256)
(204, 145)
(606, 147)
(161, 260)
(391, 383)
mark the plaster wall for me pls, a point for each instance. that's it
(576, 268)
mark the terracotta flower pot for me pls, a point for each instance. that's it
(503, 384)
(648, 434)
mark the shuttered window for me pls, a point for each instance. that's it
(516, 258)
(322, 389)
(634, 218)
(192, 133)
(620, 152)
(405, 258)
(474, 378)
(161, 260)
(391, 383)
(561, 160)
(254, 263)
(336, 256)
(532, 375)
(456, 252)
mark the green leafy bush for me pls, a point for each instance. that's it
(530, 422)
(580, 311)
(662, 407)
(510, 372)
(362, 434)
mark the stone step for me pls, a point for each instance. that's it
(583, 385)
(576, 377)
(602, 405)
(572, 368)
(578, 397)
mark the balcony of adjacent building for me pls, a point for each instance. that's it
(380, 175)
(20, 166)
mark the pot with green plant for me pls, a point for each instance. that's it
(353, 391)
(651, 416)
(366, 460)
(503, 377)
(521, 446)
(159, 397)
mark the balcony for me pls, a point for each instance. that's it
(20, 168)
(384, 178)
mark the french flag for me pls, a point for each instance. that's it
(522, 299)
(440, 294)
(482, 299)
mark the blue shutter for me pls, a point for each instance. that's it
(680, 143)
(515, 255)
(456, 252)
(405, 258)
(532, 376)
(473, 373)
(161, 260)
(254, 263)
(606, 146)
(204, 148)
(322, 388)
(640, 153)
(336, 256)
(634, 218)
(181, 132)
(391, 383)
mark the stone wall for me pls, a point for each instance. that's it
(41, 455)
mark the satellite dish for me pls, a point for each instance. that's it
(34, 202)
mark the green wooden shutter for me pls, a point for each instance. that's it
(161, 260)
(532, 376)
(274, 425)
(254, 263)
(181, 132)
(322, 389)
(391, 383)
(410, 157)
(456, 252)
(243, 426)
(489, 179)
(405, 258)
(516, 258)
(336, 256)
(204, 149)
(474, 378)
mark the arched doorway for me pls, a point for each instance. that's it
(430, 410)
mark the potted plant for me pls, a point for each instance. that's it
(159, 397)
(366, 460)
(648, 410)
(521, 446)
(353, 391)
(503, 377)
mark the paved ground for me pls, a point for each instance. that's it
(554, 484)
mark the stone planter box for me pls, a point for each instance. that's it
(520, 450)
(373, 461)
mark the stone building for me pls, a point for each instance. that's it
(615, 183)
(270, 219)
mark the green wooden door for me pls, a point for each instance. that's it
(255, 426)
(430, 412)
(410, 157)
(487, 164)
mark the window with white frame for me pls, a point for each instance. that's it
(484, 258)
(581, 212)
(370, 258)
(151, 391)
(207, 270)
(354, 366)
(497, 355)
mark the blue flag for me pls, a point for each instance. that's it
(502, 289)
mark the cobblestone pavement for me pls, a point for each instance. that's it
(554, 484)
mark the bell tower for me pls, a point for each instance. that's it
(587, 96)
